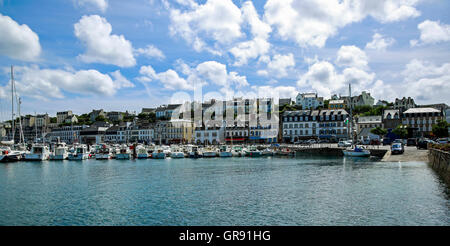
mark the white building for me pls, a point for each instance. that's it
(331, 123)
(421, 120)
(299, 125)
(67, 134)
(209, 135)
(368, 122)
(309, 100)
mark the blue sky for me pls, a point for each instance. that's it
(66, 58)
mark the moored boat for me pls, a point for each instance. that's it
(357, 152)
(79, 153)
(61, 152)
(39, 152)
(225, 151)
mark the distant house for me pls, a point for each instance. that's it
(71, 119)
(369, 122)
(284, 101)
(404, 104)
(95, 113)
(309, 100)
(336, 104)
(114, 116)
(365, 99)
(165, 111)
(391, 118)
(420, 121)
(148, 110)
(62, 116)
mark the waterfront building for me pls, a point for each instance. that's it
(370, 122)
(419, 121)
(95, 134)
(367, 122)
(331, 123)
(309, 100)
(62, 116)
(174, 131)
(299, 125)
(336, 104)
(209, 135)
(404, 104)
(67, 134)
(381, 103)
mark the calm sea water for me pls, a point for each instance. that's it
(236, 191)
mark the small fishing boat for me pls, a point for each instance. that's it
(267, 152)
(79, 153)
(158, 154)
(194, 152)
(176, 152)
(357, 152)
(142, 152)
(124, 153)
(39, 152)
(61, 152)
(253, 152)
(225, 151)
(210, 152)
(103, 153)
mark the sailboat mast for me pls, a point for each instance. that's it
(13, 129)
(351, 113)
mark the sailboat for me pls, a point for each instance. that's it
(354, 151)
(9, 154)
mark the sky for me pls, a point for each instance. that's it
(116, 55)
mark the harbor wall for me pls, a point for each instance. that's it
(440, 162)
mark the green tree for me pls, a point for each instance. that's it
(400, 131)
(440, 130)
(378, 131)
(100, 118)
(53, 120)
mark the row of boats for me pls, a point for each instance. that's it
(61, 151)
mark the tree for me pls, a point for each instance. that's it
(400, 131)
(53, 120)
(378, 131)
(100, 118)
(440, 130)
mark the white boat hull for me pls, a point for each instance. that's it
(226, 154)
(126, 156)
(78, 157)
(102, 156)
(177, 155)
(36, 157)
(209, 154)
(161, 155)
(142, 156)
(364, 153)
(59, 157)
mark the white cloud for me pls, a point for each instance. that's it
(312, 22)
(150, 51)
(209, 72)
(18, 41)
(426, 82)
(379, 43)
(216, 20)
(101, 5)
(323, 78)
(260, 30)
(275, 92)
(351, 56)
(278, 65)
(102, 47)
(51, 83)
(432, 32)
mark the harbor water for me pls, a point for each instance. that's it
(222, 191)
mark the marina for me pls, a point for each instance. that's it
(223, 191)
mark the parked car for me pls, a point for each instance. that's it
(443, 140)
(411, 142)
(387, 141)
(423, 143)
(397, 148)
(311, 141)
